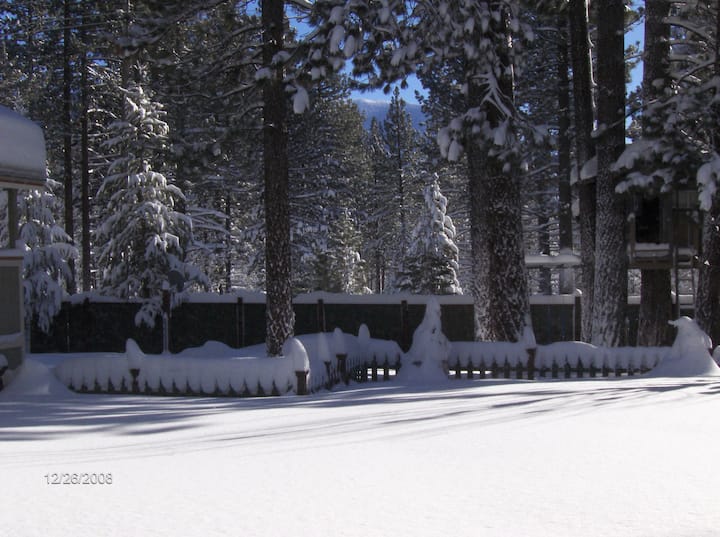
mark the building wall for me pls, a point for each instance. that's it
(12, 336)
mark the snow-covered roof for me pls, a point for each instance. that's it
(22, 151)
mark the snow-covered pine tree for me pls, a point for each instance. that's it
(329, 178)
(46, 266)
(431, 264)
(216, 158)
(404, 168)
(379, 235)
(145, 234)
(339, 267)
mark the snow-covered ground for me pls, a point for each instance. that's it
(625, 457)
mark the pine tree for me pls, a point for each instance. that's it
(280, 318)
(329, 177)
(403, 150)
(46, 265)
(431, 264)
(144, 235)
(339, 266)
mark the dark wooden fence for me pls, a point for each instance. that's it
(94, 326)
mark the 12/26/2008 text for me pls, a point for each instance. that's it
(78, 479)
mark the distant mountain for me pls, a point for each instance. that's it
(378, 110)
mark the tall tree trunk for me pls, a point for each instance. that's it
(85, 162)
(610, 300)
(655, 293)
(67, 136)
(567, 280)
(584, 151)
(280, 318)
(707, 303)
(228, 243)
(499, 280)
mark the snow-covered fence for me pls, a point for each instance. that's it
(570, 359)
(178, 375)
(309, 363)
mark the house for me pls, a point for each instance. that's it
(664, 231)
(22, 166)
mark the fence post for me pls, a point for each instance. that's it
(302, 387)
(67, 327)
(239, 323)
(577, 318)
(404, 330)
(342, 366)
(320, 315)
(135, 372)
(166, 319)
(531, 352)
(328, 372)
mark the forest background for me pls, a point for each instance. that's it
(157, 115)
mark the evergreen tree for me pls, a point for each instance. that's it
(431, 264)
(339, 267)
(46, 265)
(380, 244)
(329, 177)
(144, 235)
(403, 166)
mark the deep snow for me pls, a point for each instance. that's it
(630, 457)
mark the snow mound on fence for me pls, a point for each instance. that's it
(34, 378)
(427, 359)
(689, 355)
